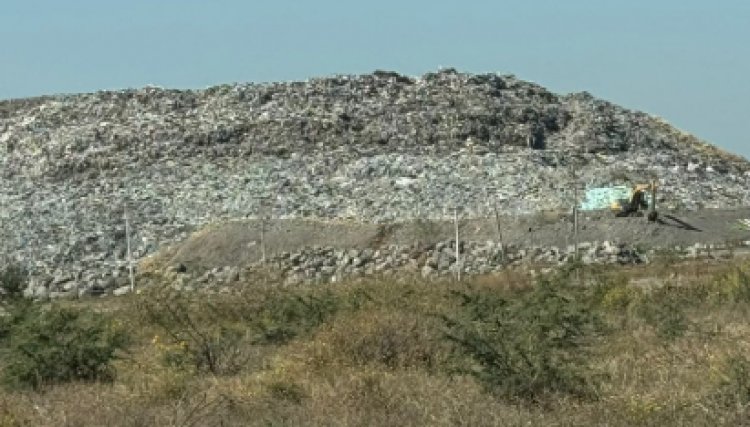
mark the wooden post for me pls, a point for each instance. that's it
(263, 218)
(458, 263)
(130, 257)
(575, 218)
(653, 214)
(263, 240)
(499, 232)
(575, 228)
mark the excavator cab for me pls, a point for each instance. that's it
(637, 202)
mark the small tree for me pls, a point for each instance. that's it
(13, 279)
(13, 306)
(527, 346)
(58, 344)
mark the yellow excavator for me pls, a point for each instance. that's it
(638, 202)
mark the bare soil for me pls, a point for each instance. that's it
(238, 243)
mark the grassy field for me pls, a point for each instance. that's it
(665, 344)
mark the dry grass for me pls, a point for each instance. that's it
(382, 359)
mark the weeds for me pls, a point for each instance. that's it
(197, 333)
(602, 351)
(667, 317)
(734, 385)
(732, 286)
(214, 333)
(385, 337)
(287, 391)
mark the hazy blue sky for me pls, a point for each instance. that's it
(687, 61)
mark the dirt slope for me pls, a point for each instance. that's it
(237, 243)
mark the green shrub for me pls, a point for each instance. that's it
(13, 280)
(57, 344)
(613, 293)
(529, 345)
(667, 317)
(12, 315)
(285, 316)
(666, 309)
(13, 307)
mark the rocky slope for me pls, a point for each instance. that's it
(377, 147)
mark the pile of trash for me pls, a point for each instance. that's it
(378, 147)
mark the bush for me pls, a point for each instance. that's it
(287, 391)
(13, 307)
(732, 287)
(663, 309)
(734, 386)
(529, 345)
(60, 344)
(613, 293)
(666, 316)
(197, 333)
(283, 317)
(213, 333)
(13, 280)
(390, 338)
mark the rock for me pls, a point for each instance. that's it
(70, 287)
(38, 292)
(445, 261)
(63, 295)
(178, 268)
(121, 291)
(367, 254)
(60, 279)
(610, 249)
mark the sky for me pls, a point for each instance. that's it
(687, 61)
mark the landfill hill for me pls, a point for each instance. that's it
(374, 148)
(438, 113)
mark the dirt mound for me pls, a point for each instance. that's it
(238, 243)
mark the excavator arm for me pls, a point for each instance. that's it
(638, 202)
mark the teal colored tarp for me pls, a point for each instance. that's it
(602, 198)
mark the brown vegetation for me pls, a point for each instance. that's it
(658, 345)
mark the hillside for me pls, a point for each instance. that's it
(374, 148)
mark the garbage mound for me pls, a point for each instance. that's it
(379, 147)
